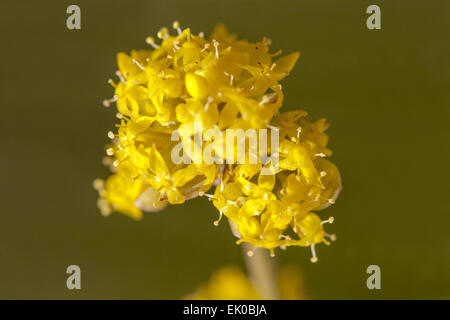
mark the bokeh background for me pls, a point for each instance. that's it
(385, 92)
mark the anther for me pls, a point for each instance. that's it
(323, 174)
(110, 151)
(163, 33)
(116, 163)
(98, 184)
(250, 253)
(111, 135)
(201, 34)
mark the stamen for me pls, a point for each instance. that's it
(111, 82)
(277, 53)
(299, 131)
(330, 220)
(250, 253)
(323, 174)
(163, 33)
(203, 194)
(314, 258)
(321, 154)
(107, 102)
(119, 74)
(208, 102)
(139, 65)
(201, 34)
(111, 135)
(151, 41)
(264, 100)
(116, 163)
(216, 45)
(205, 47)
(216, 223)
(332, 237)
(176, 26)
(231, 77)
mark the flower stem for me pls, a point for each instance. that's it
(262, 270)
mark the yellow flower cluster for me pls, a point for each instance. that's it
(222, 83)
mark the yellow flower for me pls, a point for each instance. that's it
(230, 283)
(126, 195)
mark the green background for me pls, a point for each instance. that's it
(385, 93)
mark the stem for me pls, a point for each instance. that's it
(261, 267)
(262, 271)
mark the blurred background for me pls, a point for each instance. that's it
(385, 93)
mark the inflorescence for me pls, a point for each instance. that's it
(221, 83)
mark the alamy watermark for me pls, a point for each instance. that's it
(73, 21)
(74, 280)
(374, 20)
(374, 280)
(231, 147)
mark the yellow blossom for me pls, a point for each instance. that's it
(230, 283)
